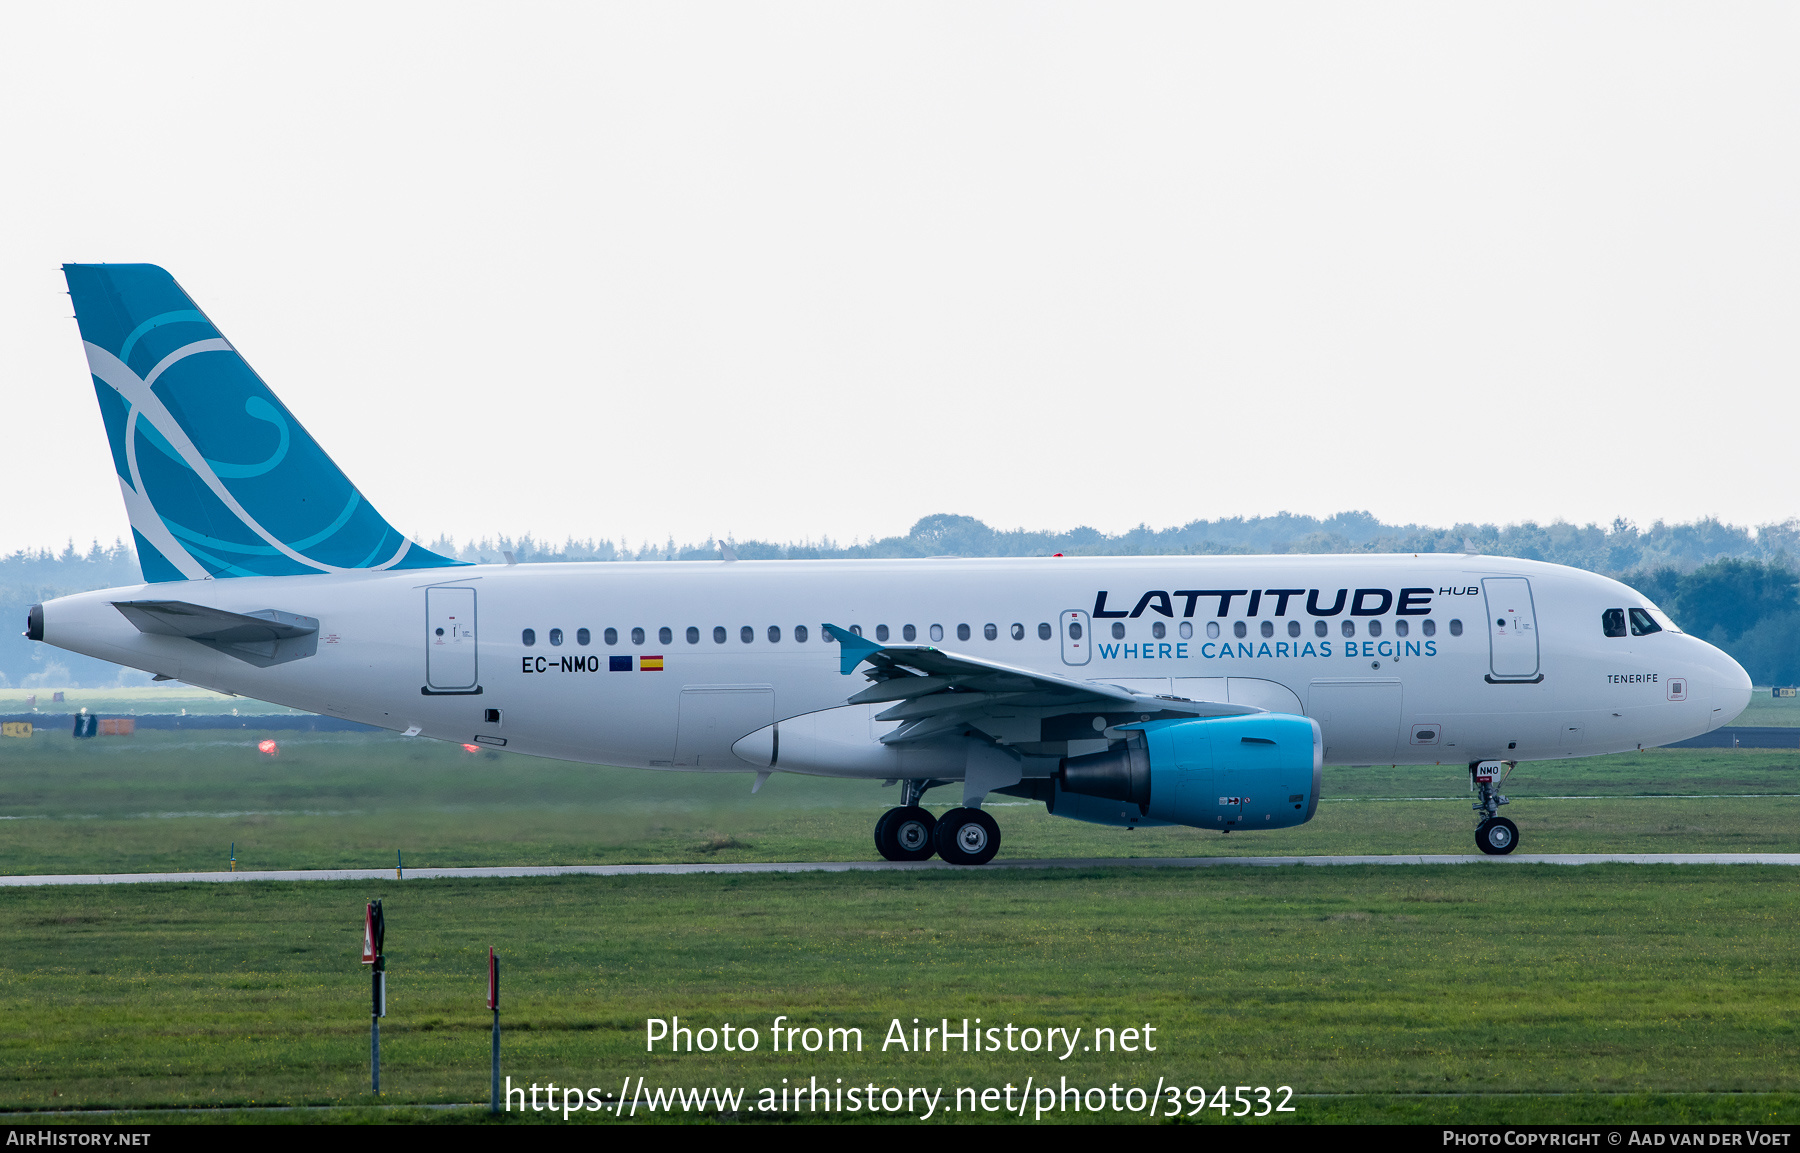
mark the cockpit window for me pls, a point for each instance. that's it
(1612, 622)
(1642, 624)
(1662, 619)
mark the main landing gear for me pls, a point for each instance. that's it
(1494, 835)
(908, 832)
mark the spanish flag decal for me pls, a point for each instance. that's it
(650, 664)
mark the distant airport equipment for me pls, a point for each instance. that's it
(16, 729)
(374, 943)
(117, 726)
(1208, 691)
(1783, 691)
(55, 698)
(86, 725)
(234, 856)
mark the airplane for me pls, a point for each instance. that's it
(1202, 691)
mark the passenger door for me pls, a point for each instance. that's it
(1512, 629)
(450, 664)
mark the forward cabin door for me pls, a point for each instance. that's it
(1077, 637)
(450, 665)
(1512, 629)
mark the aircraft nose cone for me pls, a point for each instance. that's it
(1727, 686)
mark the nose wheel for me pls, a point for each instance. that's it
(1497, 837)
(1494, 834)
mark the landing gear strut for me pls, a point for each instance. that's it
(904, 833)
(1494, 835)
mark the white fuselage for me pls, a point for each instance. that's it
(1524, 673)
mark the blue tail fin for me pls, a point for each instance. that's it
(219, 478)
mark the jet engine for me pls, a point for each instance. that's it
(1253, 772)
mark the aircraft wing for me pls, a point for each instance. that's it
(937, 692)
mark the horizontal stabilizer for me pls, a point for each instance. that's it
(262, 638)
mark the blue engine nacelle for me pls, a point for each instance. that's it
(1256, 772)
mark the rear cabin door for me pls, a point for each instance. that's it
(1512, 629)
(1077, 637)
(450, 665)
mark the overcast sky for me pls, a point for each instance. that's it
(784, 270)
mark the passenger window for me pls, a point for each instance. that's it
(1349, 628)
(1018, 631)
(1186, 630)
(582, 637)
(1612, 622)
(937, 632)
(1158, 630)
(1212, 629)
(529, 637)
(1401, 627)
(746, 634)
(1238, 629)
(1118, 630)
(881, 632)
(1430, 627)
(1293, 628)
(1268, 628)
(908, 633)
(1642, 625)
(774, 634)
(718, 634)
(799, 634)
(1374, 628)
(962, 632)
(1043, 630)
(556, 636)
(610, 636)
(665, 635)
(1456, 628)
(637, 636)
(693, 635)
(1319, 629)
(990, 632)
(1074, 630)
(857, 629)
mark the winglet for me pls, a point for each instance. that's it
(855, 649)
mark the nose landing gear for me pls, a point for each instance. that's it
(1494, 835)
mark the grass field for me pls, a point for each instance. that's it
(166, 801)
(1444, 994)
(1405, 988)
(1767, 710)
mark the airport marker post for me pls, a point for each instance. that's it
(494, 1004)
(374, 938)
